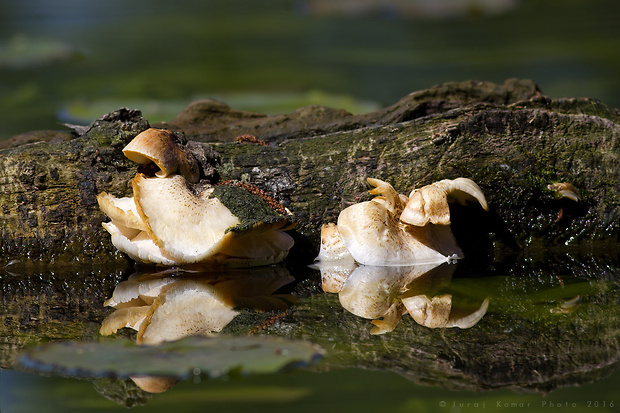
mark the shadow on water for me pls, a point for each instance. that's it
(528, 333)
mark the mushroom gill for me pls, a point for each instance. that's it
(159, 146)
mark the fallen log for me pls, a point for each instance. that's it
(511, 139)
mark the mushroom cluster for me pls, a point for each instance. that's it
(173, 219)
(384, 294)
(397, 230)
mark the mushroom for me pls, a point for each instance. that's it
(430, 203)
(332, 247)
(159, 146)
(393, 229)
(177, 224)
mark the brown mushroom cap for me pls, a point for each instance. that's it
(160, 147)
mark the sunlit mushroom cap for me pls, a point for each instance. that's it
(187, 226)
(332, 248)
(122, 211)
(430, 203)
(195, 226)
(138, 245)
(159, 146)
(374, 236)
(171, 222)
(187, 308)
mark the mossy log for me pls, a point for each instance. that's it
(511, 139)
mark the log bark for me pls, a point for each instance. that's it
(510, 138)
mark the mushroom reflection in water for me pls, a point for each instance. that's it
(172, 220)
(397, 230)
(167, 306)
(385, 294)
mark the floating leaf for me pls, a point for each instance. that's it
(212, 356)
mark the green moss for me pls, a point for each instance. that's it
(249, 208)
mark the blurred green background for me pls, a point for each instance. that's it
(74, 60)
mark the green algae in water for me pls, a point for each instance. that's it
(215, 357)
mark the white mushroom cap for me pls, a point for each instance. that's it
(332, 248)
(374, 236)
(187, 308)
(194, 228)
(158, 146)
(138, 245)
(169, 223)
(122, 211)
(189, 227)
(430, 203)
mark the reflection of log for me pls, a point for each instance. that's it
(519, 343)
(38, 306)
(509, 138)
(522, 342)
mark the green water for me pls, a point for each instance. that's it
(549, 339)
(357, 390)
(74, 61)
